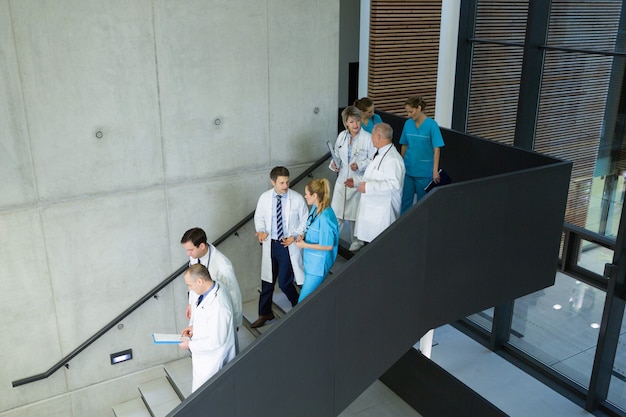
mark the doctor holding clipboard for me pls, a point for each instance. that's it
(354, 151)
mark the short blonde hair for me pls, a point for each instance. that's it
(350, 111)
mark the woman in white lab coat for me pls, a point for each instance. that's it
(355, 150)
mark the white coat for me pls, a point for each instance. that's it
(294, 224)
(345, 201)
(212, 344)
(221, 270)
(380, 204)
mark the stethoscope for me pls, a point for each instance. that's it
(310, 220)
(357, 151)
(208, 259)
(383, 157)
(211, 292)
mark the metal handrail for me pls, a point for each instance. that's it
(64, 361)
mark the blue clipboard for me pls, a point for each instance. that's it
(444, 180)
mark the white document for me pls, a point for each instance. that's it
(167, 338)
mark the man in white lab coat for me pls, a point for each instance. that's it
(212, 331)
(280, 218)
(195, 242)
(380, 186)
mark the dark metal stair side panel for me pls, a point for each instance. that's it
(327, 350)
(476, 241)
(276, 376)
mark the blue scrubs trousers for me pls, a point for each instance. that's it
(413, 186)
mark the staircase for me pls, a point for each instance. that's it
(156, 398)
(160, 396)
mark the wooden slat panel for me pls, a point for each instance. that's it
(403, 52)
(404, 44)
(494, 85)
(494, 91)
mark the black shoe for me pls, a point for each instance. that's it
(261, 320)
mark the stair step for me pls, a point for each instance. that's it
(159, 396)
(245, 338)
(179, 371)
(250, 312)
(131, 408)
(281, 300)
(180, 374)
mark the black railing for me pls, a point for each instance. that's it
(153, 292)
(65, 360)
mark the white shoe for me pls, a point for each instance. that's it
(356, 245)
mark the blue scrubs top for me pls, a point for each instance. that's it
(324, 230)
(370, 124)
(422, 141)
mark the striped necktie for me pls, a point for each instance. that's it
(279, 218)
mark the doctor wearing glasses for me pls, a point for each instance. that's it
(354, 148)
(380, 186)
(321, 239)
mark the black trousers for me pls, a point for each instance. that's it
(282, 271)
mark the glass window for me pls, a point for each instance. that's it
(483, 319)
(559, 326)
(581, 117)
(575, 84)
(594, 257)
(617, 389)
(494, 88)
(605, 202)
(502, 20)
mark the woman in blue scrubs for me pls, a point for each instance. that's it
(421, 142)
(368, 117)
(321, 238)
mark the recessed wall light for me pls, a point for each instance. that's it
(122, 356)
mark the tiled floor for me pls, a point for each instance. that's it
(504, 385)
(379, 401)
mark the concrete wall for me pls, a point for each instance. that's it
(122, 125)
(349, 33)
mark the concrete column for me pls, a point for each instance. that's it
(364, 48)
(448, 36)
